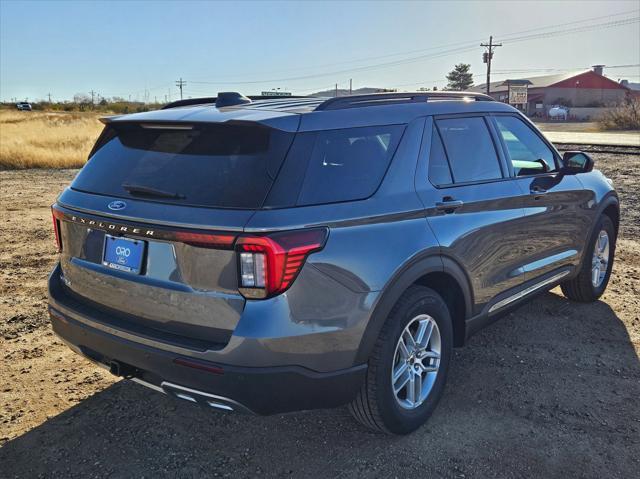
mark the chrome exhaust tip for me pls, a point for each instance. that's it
(202, 398)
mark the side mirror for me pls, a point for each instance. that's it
(574, 162)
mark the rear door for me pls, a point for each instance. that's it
(556, 219)
(472, 204)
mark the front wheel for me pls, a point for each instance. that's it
(409, 364)
(595, 270)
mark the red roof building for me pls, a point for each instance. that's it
(575, 89)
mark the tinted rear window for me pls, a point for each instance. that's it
(470, 149)
(215, 165)
(336, 165)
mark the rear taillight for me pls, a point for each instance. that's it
(56, 227)
(269, 264)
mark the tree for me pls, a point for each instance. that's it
(82, 100)
(460, 78)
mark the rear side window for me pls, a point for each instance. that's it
(470, 149)
(345, 165)
(529, 155)
(214, 165)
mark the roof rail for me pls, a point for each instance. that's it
(213, 99)
(374, 99)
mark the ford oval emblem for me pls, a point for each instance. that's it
(117, 205)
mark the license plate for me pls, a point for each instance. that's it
(123, 254)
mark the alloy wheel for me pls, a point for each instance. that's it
(416, 361)
(600, 261)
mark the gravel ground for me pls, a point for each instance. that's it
(551, 390)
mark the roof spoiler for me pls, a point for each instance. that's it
(105, 120)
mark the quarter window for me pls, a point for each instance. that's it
(470, 150)
(439, 172)
(348, 164)
(528, 154)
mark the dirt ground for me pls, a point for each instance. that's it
(552, 390)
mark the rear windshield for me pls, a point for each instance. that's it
(239, 165)
(214, 165)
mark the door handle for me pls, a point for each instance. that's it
(537, 190)
(448, 204)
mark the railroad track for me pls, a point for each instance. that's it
(590, 148)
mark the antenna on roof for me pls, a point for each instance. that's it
(231, 98)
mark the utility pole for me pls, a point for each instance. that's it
(486, 57)
(350, 86)
(49, 95)
(180, 83)
(92, 94)
(336, 89)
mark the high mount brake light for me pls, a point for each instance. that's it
(269, 264)
(55, 214)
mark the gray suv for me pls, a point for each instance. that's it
(273, 255)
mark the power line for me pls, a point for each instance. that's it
(566, 24)
(513, 39)
(461, 47)
(524, 70)
(586, 28)
(457, 44)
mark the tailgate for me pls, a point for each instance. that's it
(148, 225)
(186, 284)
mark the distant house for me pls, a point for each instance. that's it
(575, 89)
(634, 87)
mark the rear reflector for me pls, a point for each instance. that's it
(269, 264)
(201, 365)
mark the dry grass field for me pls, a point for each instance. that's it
(46, 139)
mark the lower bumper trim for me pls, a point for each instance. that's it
(261, 390)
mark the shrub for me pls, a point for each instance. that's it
(625, 117)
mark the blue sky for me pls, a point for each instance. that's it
(122, 48)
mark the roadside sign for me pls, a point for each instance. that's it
(276, 93)
(517, 94)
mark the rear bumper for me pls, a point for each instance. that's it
(261, 390)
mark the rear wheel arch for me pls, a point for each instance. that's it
(612, 210)
(447, 284)
(439, 273)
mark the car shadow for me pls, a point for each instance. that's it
(551, 390)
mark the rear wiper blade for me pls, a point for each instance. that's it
(150, 191)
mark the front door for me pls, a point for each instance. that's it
(556, 220)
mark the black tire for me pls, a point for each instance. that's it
(580, 288)
(376, 406)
